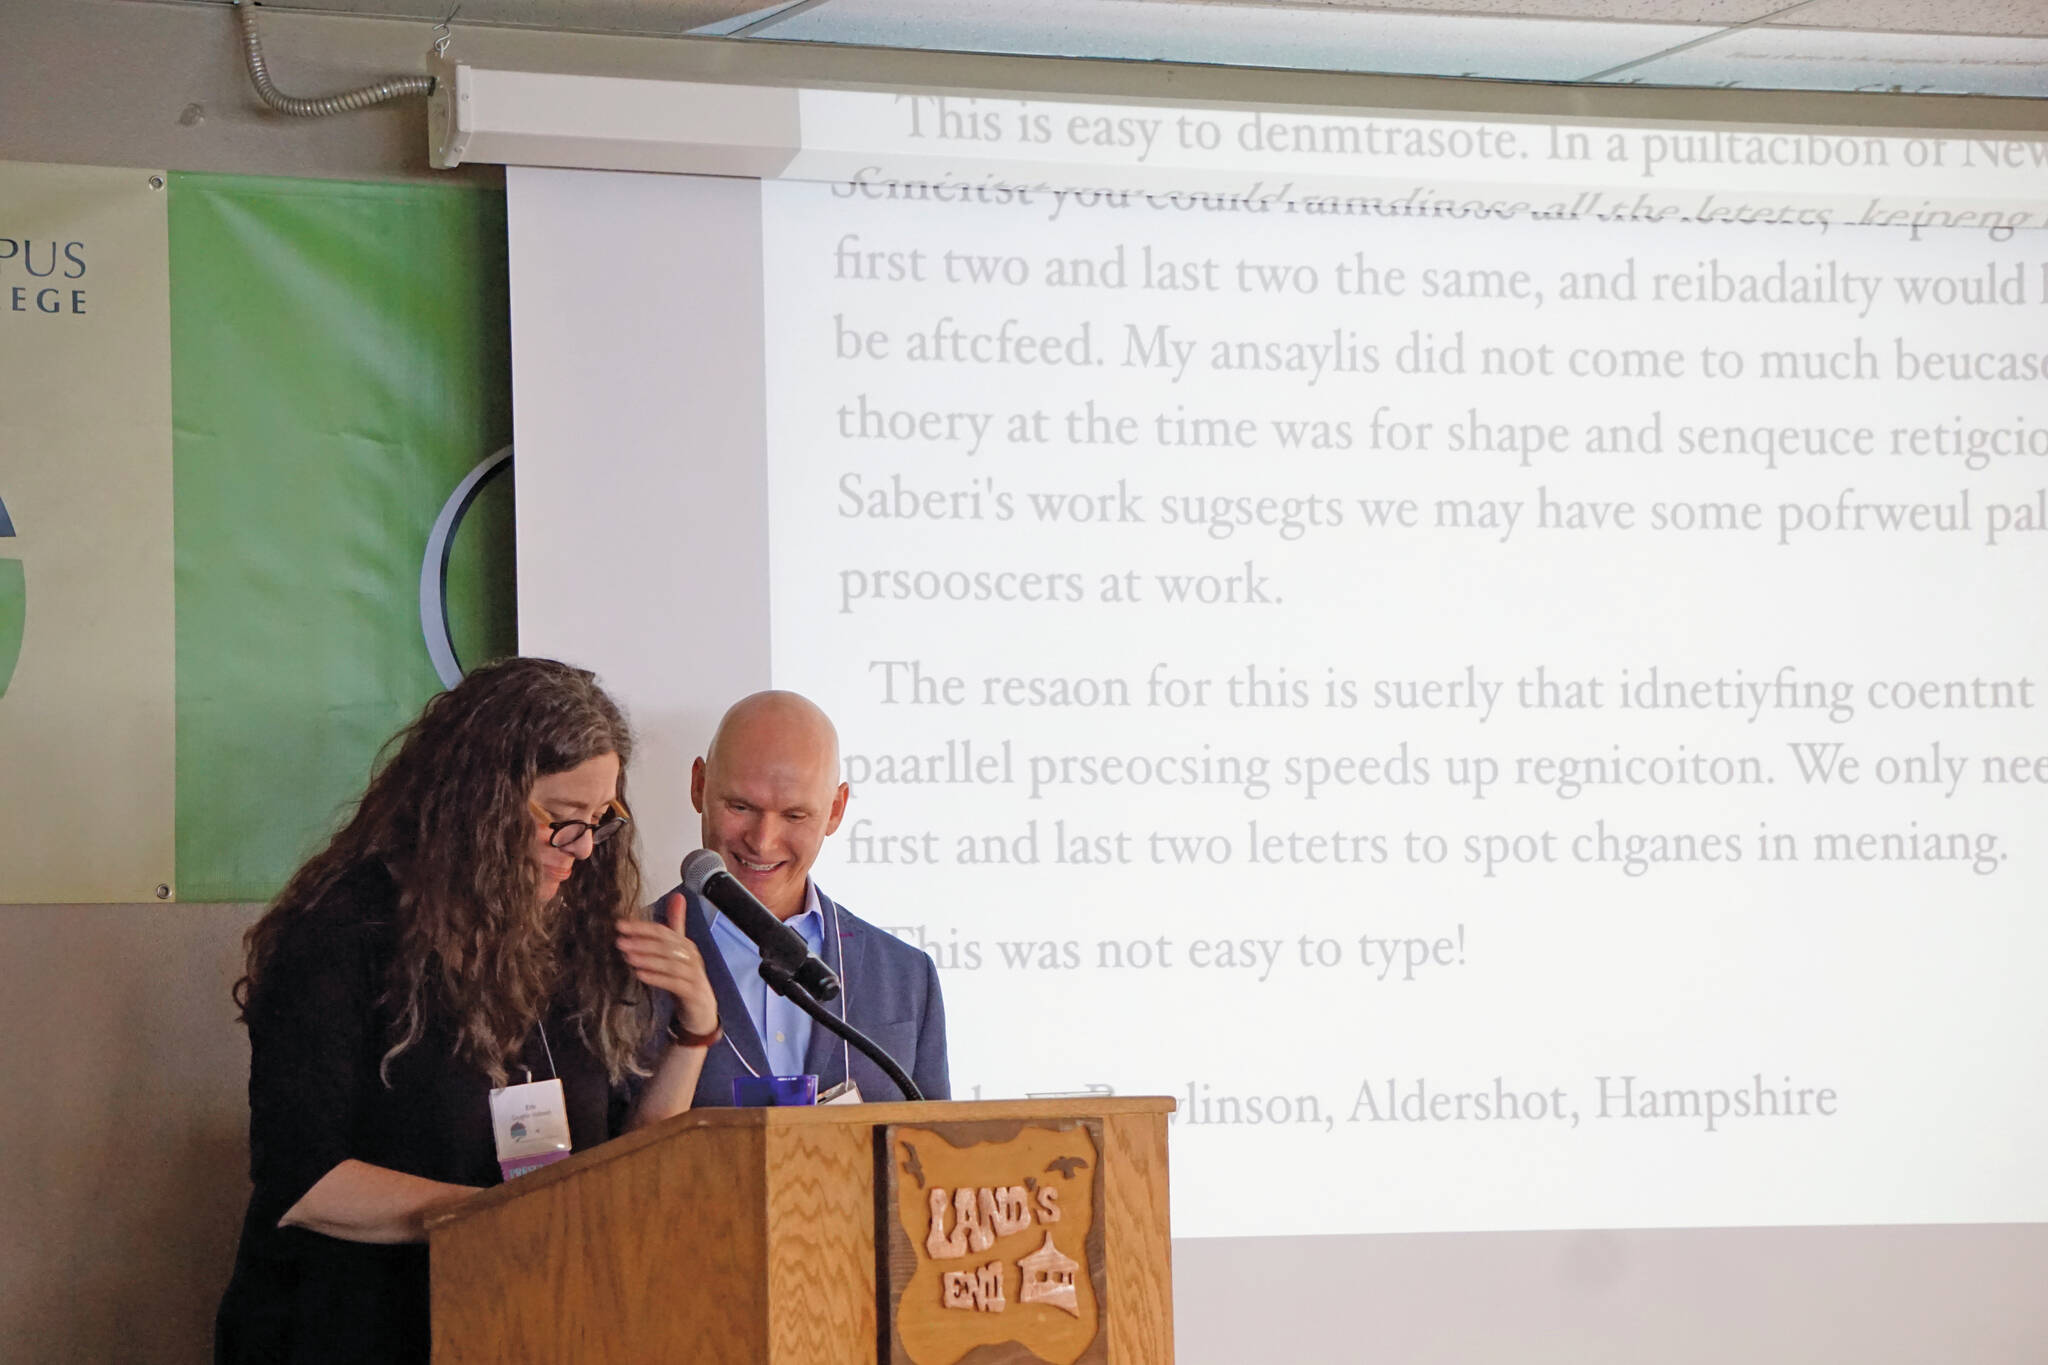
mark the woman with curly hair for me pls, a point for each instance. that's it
(472, 930)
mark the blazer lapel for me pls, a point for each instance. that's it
(826, 1056)
(732, 1011)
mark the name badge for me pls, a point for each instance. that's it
(846, 1092)
(531, 1124)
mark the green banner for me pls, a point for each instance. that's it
(340, 364)
(13, 614)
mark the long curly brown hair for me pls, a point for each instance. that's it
(447, 815)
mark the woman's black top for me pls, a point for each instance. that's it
(317, 1034)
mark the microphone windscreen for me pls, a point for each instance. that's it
(699, 868)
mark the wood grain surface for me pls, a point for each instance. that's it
(821, 1244)
(660, 1257)
(1137, 1233)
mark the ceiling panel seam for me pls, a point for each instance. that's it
(768, 21)
(1701, 41)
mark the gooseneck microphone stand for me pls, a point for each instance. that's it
(783, 982)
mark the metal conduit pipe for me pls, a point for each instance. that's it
(396, 87)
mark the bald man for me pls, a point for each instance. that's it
(769, 794)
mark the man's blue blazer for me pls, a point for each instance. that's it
(889, 990)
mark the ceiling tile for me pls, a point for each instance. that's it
(668, 17)
(1792, 59)
(1612, 11)
(1824, 45)
(1997, 17)
(2016, 17)
(2013, 17)
(1319, 38)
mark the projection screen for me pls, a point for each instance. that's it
(1496, 661)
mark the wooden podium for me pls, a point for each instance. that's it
(749, 1237)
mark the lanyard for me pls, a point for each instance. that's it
(845, 1002)
(552, 1071)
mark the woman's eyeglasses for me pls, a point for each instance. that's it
(562, 833)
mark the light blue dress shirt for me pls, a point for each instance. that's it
(785, 1030)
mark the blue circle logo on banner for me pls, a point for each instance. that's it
(13, 606)
(434, 630)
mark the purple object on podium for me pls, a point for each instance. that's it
(773, 1092)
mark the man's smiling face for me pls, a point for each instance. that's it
(769, 793)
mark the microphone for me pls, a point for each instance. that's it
(781, 947)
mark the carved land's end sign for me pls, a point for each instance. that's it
(991, 1245)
